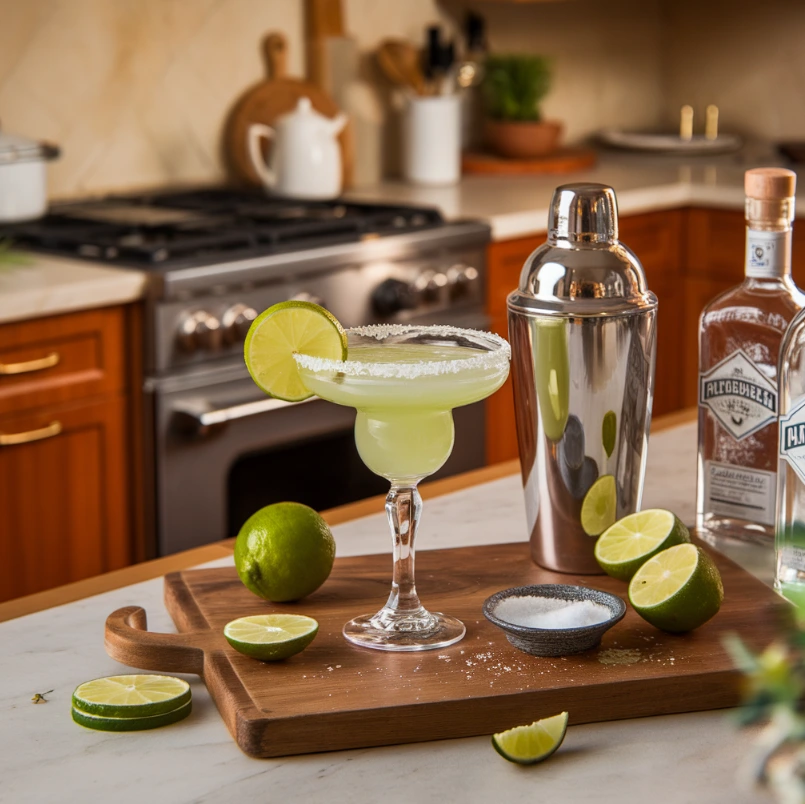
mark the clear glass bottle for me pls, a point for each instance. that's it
(740, 333)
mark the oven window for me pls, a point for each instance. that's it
(322, 473)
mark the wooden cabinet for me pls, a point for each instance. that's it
(657, 238)
(66, 438)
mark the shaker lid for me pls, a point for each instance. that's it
(582, 269)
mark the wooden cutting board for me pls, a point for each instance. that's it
(335, 696)
(270, 99)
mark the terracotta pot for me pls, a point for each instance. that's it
(522, 140)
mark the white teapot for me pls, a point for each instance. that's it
(306, 157)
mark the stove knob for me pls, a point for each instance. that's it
(199, 330)
(309, 297)
(429, 285)
(236, 322)
(392, 296)
(459, 279)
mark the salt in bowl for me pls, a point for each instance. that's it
(513, 612)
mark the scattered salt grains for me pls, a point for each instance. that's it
(533, 611)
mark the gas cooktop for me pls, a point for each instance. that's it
(157, 231)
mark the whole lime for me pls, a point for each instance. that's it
(284, 552)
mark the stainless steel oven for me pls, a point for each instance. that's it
(218, 449)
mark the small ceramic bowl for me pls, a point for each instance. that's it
(555, 641)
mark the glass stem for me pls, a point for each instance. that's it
(403, 507)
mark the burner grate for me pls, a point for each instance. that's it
(205, 226)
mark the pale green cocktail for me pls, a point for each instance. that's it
(404, 382)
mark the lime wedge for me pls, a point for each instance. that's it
(609, 429)
(285, 328)
(131, 723)
(131, 696)
(526, 745)
(625, 546)
(600, 506)
(677, 590)
(270, 637)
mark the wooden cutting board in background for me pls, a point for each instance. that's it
(270, 99)
(335, 696)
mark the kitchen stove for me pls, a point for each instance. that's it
(217, 448)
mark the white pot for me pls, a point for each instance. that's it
(23, 180)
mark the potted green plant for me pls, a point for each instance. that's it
(513, 88)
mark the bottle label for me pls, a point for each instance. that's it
(793, 557)
(766, 254)
(792, 438)
(742, 398)
(741, 493)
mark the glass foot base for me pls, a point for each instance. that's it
(390, 630)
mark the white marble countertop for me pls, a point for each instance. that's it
(45, 757)
(43, 285)
(517, 206)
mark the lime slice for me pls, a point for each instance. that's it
(677, 590)
(101, 723)
(609, 429)
(285, 328)
(600, 506)
(529, 744)
(131, 696)
(625, 546)
(270, 637)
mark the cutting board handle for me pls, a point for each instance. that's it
(275, 53)
(128, 641)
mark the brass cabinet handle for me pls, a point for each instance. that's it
(9, 439)
(30, 365)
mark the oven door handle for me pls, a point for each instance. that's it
(199, 418)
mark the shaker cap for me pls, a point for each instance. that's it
(585, 213)
(583, 269)
(770, 184)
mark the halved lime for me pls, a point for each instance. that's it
(285, 328)
(529, 744)
(270, 637)
(131, 723)
(625, 546)
(677, 590)
(131, 695)
(600, 506)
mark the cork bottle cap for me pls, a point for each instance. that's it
(767, 184)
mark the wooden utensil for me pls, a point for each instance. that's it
(400, 62)
(270, 99)
(324, 20)
(336, 696)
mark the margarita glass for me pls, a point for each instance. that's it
(404, 382)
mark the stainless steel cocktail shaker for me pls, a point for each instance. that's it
(582, 327)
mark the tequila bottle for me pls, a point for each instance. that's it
(740, 334)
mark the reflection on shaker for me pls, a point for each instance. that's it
(552, 374)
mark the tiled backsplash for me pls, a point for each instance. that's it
(136, 91)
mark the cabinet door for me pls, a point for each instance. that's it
(504, 262)
(656, 239)
(63, 504)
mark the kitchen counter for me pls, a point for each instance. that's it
(517, 206)
(45, 285)
(44, 756)
(514, 206)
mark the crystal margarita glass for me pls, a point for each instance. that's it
(404, 382)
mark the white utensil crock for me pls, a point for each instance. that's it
(432, 140)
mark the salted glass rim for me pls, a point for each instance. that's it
(498, 354)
